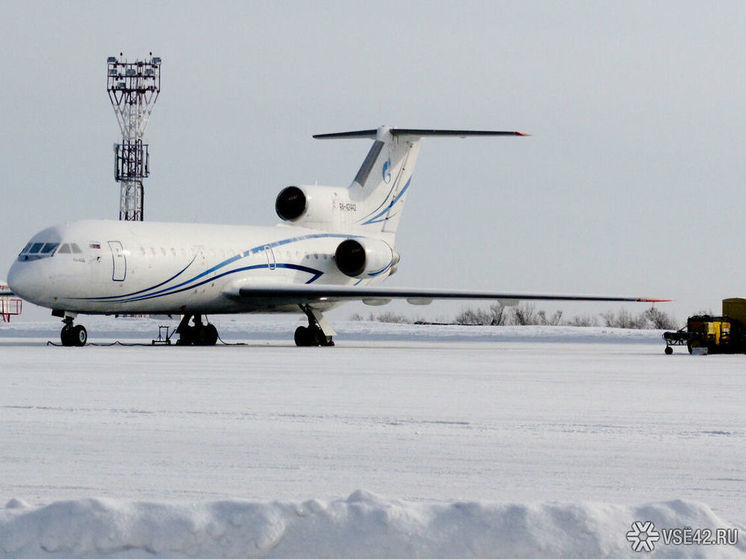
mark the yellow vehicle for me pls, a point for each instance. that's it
(719, 334)
(715, 334)
(709, 331)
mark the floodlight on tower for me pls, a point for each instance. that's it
(133, 90)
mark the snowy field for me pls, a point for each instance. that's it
(402, 441)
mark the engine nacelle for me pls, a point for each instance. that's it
(312, 205)
(291, 203)
(364, 257)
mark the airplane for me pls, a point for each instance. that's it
(334, 245)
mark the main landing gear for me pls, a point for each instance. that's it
(196, 334)
(73, 335)
(318, 332)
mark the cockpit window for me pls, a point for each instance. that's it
(35, 251)
(64, 249)
(49, 248)
(76, 248)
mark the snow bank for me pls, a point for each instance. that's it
(364, 525)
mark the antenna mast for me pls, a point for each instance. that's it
(133, 90)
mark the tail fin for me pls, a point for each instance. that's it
(380, 186)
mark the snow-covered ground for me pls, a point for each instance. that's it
(474, 441)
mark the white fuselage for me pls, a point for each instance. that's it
(148, 267)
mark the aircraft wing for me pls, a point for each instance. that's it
(309, 294)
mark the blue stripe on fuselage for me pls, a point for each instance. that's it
(316, 275)
(127, 297)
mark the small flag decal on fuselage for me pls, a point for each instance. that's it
(95, 245)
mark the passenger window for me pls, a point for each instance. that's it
(64, 249)
(35, 248)
(75, 248)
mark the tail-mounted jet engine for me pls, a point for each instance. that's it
(365, 257)
(312, 206)
(291, 203)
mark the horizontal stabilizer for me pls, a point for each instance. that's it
(417, 132)
(309, 294)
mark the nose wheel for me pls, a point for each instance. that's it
(73, 335)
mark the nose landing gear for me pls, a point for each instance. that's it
(73, 335)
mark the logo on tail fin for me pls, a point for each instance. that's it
(387, 170)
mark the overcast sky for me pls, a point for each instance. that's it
(632, 182)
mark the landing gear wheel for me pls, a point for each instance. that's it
(185, 337)
(66, 336)
(668, 350)
(79, 335)
(303, 337)
(318, 332)
(73, 335)
(316, 336)
(196, 334)
(308, 336)
(207, 335)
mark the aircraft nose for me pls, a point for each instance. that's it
(21, 281)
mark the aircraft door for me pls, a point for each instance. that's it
(119, 260)
(270, 254)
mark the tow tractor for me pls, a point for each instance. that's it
(705, 334)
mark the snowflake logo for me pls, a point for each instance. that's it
(643, 536)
